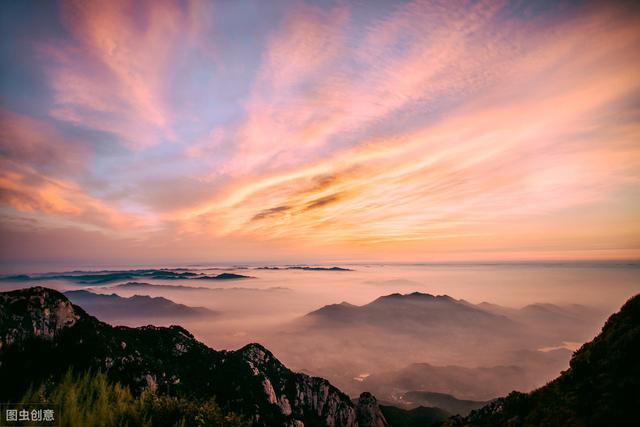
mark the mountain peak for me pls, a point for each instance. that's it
(35, 311)
(333, 310)
(256, 353)
(415, 296)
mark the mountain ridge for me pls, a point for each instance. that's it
(466, 349)
(42, 335)
(111, 307)
(110, 276)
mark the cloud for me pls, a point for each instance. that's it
(112, 75)
(27, 140)
(335, 83)
(38, 169)
(418, 125)
(27, 191)
(270, 212)
(323, 201)
(516, 148)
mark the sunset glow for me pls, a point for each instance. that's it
(389, 131)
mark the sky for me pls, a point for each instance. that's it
(319, 131)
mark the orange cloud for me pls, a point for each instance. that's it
(26, 140)
(29, 192)
(520, 147)
(433, 127)
(38, 166)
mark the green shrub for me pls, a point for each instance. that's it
(91, 400)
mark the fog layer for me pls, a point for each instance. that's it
(502, 327)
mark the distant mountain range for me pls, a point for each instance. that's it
(304, 267)
(510, 347)
(414, 399)
(399, 312)
(110, 276)
(557, 321)
(112, 308)
(142, 286)
(42, 335)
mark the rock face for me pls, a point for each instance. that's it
(281, 396)
(30, 313)
(368, 411)
(42, 335)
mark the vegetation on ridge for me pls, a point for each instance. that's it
(92, 400)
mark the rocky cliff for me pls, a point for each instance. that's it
(39, 313)
(42, 335)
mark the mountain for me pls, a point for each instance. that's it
(420, 310)
(396, 330)
(601, 388)
(42, 335)
(112, 308)
(416, 417)
(142, 286)
(420, 342)
(440, 400)
(578, 322)
(304, 267)
(224, 276)
(413, 314)
(110, 276)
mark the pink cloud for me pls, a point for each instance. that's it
(435, 127)
(518, 148)
(27, 191)
(113, 77)
(38, 170)
(26, 140)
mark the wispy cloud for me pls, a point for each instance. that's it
(38, 170)
(508, 150)
(417, 126)
(113, 75)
